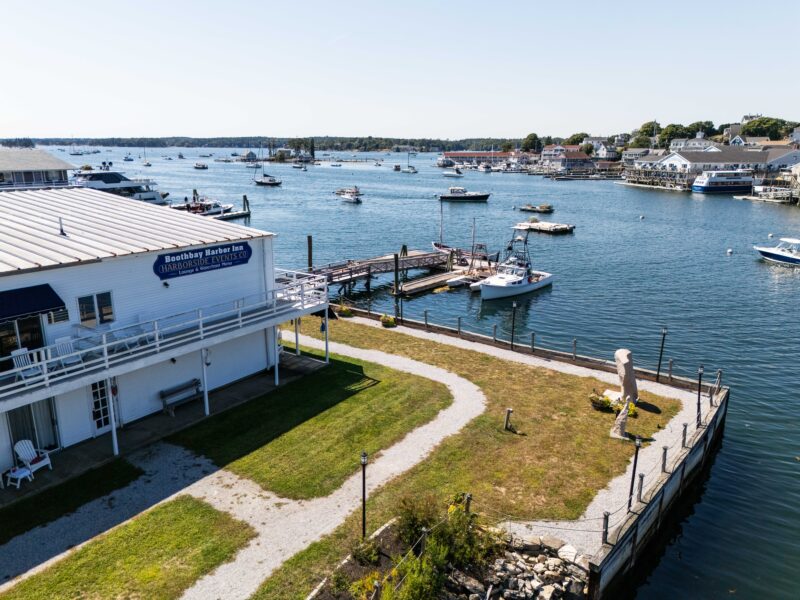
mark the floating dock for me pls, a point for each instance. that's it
(425, 284)
(235, 214)
(548, 227)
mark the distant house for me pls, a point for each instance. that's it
(782, 157)
(248, 156)
(749, 140)
(571, 161)
(731, 131)
(31, 168)
(552, 153)
(596, 142)
(631, 154)
(695, 144)
(606, 151)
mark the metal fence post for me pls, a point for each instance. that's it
(683, 440)
(533, 341)
(459, 326)
(425, 312)
(606, 514)
(494, 332)
(641, 486)
(574, 348)
(670, 370)
(664, 450)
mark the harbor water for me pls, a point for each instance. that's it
(639, 260)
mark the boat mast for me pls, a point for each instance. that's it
(441, 222)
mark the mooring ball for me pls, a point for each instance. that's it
(641, 217)
(730, 251)
(770, 235)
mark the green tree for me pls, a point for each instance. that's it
(670, 132)
(507, 147)
(531, 143)
(311, 148)
(547, 141)
(640, 141)
(774, 128)
(707, 127)
(650, 128)
(587, 148)
(576, 138)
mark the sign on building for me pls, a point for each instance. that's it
(189, 262)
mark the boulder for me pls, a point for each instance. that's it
(567, 553)
(467, 583)
(552, 543)
(548, 592)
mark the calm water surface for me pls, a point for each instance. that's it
(620, 278)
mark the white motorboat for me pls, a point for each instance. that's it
(514, 275)
(351, 198)
(115, 182)
(128, 158)
(353, 191)
(205, 207)
(200, 166)
(456, 172)
(410, 169)
(485, 168)
(787, 252)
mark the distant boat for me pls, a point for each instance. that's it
(200, 166)
(787, 252)
(460, 194)
(336, 164)
(180, 155)
(353, 191)
(541, 208)
(453, 173)
(265, 179)
(351, 198)
(724, 182)
(128, 158)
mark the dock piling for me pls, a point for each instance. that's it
(459, 326)
(661, 353)
(699, 391)
(310, 243)
(494, 332)
(513, 322)
(425, 313)
(533, 342)
(606, 515)
(574, 348)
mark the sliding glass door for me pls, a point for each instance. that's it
(35, 422)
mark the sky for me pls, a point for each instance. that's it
(401, 69)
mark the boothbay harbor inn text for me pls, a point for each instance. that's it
(177, 264)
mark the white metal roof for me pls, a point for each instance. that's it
(97, 225)
(30, 159)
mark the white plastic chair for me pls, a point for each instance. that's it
(22, 360)
(66, 352)
(31, 457)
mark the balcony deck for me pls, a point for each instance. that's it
(103, 353)
(92, 453)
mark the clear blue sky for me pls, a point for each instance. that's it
(428, 69)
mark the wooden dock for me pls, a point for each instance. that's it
(236, 214)
(349, 271)
(425, 284)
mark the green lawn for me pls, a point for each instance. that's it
(551, 472)
(159, 554)
(304, 439)
(65, 498)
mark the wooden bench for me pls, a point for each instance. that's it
(180, 394)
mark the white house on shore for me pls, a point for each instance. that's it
(713, 159)
(108, 305)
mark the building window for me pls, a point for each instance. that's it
(96, 309)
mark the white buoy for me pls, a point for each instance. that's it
(770, 235)
(641, 217)
(730, 251)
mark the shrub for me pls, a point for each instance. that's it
(339, 582)
(344, 311)
(366, 552)
(466, 543)
(388, 321)
(414, 513)
(362, 589)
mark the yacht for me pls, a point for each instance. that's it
(485, 168)
(787, 252)
(205, 207)
(128, 157)
(724, 182)
(115, 182)
(200, 166)
(456, 172)
(410, 169)
(353, 191)
(460, 194)
(514, 275)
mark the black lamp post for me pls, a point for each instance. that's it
(661, 352)
(633, 475)
(699, 389)
(513, 321)
(363, 494)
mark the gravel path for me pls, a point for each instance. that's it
(585, 534)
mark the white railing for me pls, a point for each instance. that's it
(27, 185)
(97, 349)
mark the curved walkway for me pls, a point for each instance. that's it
(283, 527)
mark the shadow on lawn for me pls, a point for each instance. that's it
(228, 436)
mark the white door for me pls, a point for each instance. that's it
(99, 406)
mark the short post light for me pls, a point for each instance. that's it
(513, 321)
(363, 494)
(633, 474)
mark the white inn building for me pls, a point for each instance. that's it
(107, 304)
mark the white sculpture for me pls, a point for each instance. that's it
(628, 390)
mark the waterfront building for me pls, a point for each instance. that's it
(109, 305)
(725, 158)
(573, 161)
(596, 142)
(552, 153)
(782, 157)
(483, 156)
(29, 168)
(631, 154)
(795, 136)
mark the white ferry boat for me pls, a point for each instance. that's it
(724, 182)
(115, 182)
